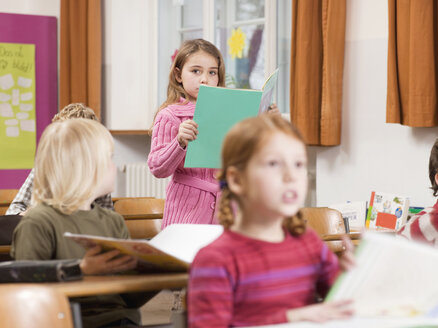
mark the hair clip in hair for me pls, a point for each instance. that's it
(223, 184)
(174, 55)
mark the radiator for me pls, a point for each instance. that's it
(140, 182)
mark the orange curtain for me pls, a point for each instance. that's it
(317, 61)
(412, 70)
(81, 53)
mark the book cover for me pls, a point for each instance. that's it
(393, 277)
(387, 211)
(172, 250)
(217, 110)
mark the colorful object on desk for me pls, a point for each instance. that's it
(387, 211)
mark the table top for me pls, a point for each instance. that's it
(116, 284)
(148, 216)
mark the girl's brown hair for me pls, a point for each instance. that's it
(240, 144)
(433, 167)
(175, 89)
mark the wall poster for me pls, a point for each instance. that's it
(17, 106)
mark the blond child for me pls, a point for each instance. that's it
(21, 202)
(73, 167)
(191, 193)
(266, 267)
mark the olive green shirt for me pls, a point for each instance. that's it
(39, 236)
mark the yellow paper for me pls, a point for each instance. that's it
(17, 106)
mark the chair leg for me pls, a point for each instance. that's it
(76, 314)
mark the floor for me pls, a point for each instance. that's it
(157, 313)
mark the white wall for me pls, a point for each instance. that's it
(128, 149)
(31, 7)
(373, 155)
(129, 64)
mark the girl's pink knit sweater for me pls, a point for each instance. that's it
(191, 193)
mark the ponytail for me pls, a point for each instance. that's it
(225, 215)
(296, 224)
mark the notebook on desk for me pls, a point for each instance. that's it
(8, 224)
(40, 271)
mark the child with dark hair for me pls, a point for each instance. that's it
(424, 225)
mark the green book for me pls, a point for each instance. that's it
(217, 110)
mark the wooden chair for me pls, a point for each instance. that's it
(142, 215)
(6, 198)
(328, 223)
(27, 305)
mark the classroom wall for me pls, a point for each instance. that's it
(31, 7)
(373, 155)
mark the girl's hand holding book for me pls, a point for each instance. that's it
(96, 262)
(273, 110)
(188, 130)
(347, 260)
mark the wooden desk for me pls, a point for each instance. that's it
(117, 284)
(332, 237)
(5, 249)
(149, 216)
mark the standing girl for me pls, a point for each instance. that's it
(266, 267)
(191, 193)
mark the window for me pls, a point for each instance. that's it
(240, 37)
(215, 20)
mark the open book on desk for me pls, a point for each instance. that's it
(358, 322)
(172, 250)
(393, 277)
(217, 110)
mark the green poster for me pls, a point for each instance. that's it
(17, 106)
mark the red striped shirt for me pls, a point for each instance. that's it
(240, 281)
(423, 226)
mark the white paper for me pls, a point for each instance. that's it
(15, 97)
(26, 96)
(12, 131)
(22, 116)
(24, 82)
(11, 122)
(185, 240)
(27, 125)
(4, 97)
(6, 81)
(393, 277)
(26, 107)
(6, 110)
(357, 322)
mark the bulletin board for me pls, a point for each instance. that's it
(26, 40)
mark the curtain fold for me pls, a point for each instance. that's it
(317, 61)
(412, 70)
(81, 53)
